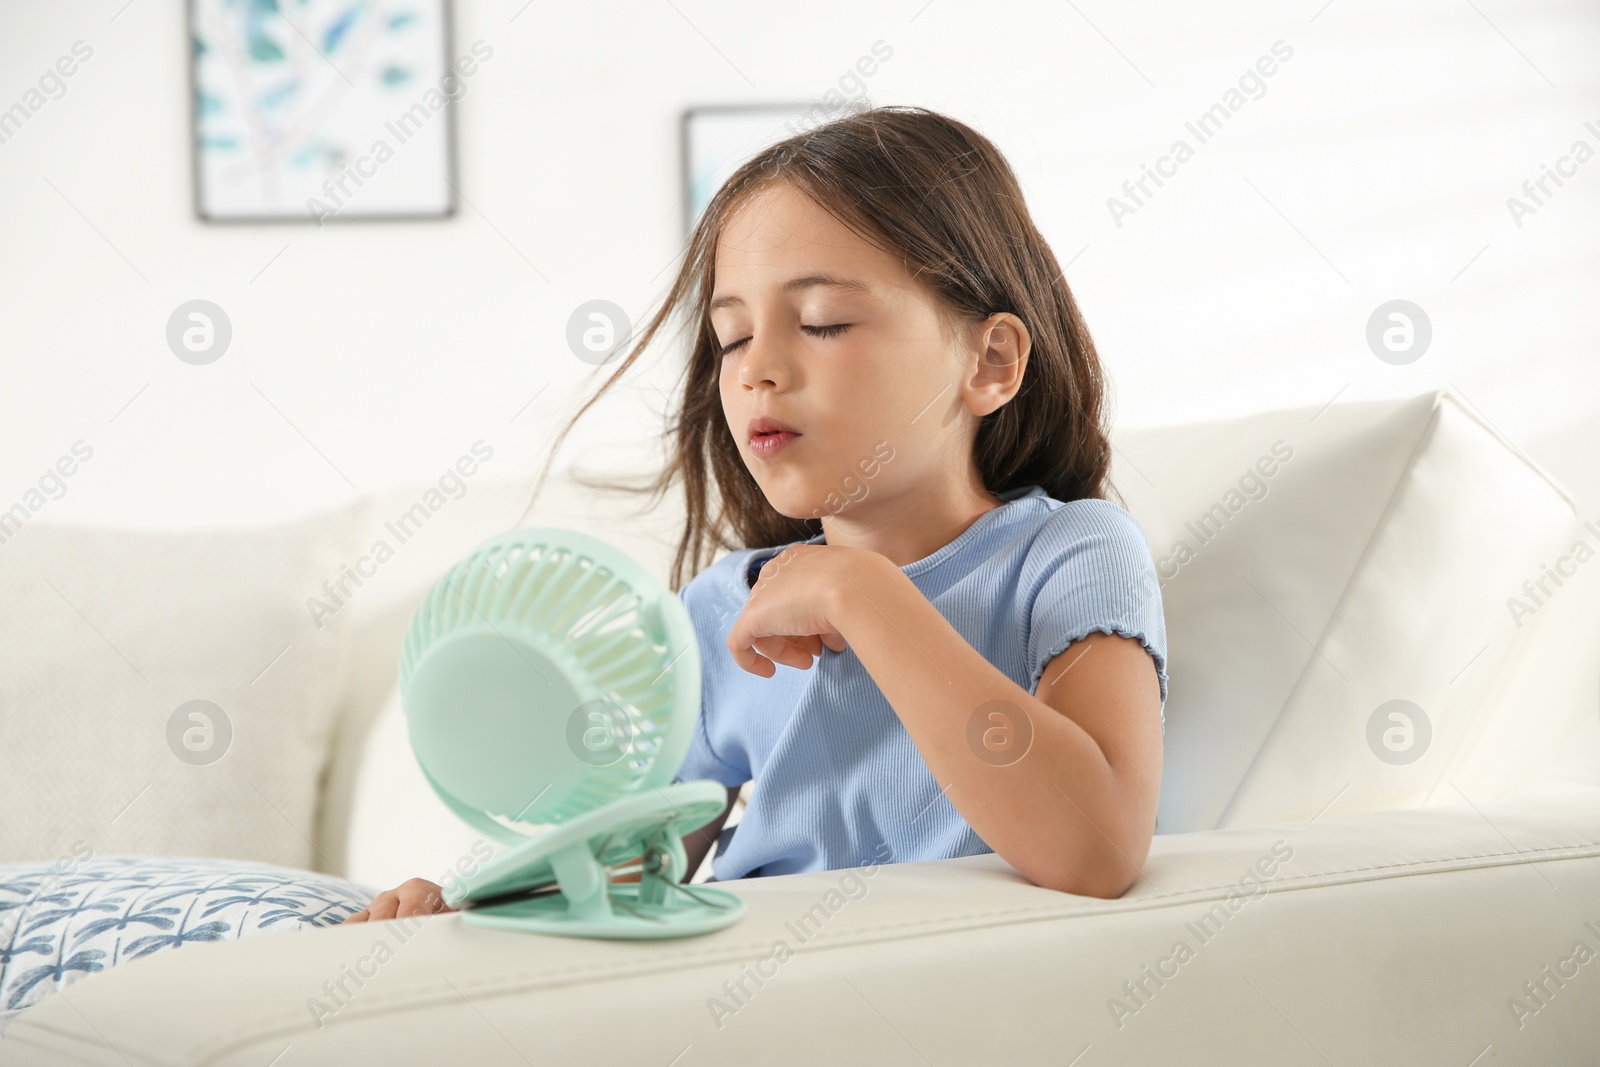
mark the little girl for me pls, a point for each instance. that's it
(934, 636)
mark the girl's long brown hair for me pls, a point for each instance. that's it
(939, 195)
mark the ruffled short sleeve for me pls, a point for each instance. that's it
(1089, 570)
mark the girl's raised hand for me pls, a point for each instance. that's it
(786, 619)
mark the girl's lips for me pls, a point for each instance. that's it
(767, 444)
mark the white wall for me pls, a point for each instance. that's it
(1377, 165)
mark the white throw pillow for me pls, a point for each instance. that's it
(1365, 561)
(112, 640)
(1419, 636)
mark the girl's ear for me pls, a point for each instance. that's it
(1003, 344)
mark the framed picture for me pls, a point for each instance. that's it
(324, 110)
(718, 139)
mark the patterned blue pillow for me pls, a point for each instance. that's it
(61, 922)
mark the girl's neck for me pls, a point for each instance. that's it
(913, 525)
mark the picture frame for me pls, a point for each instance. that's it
(324, 110)
(717, 139)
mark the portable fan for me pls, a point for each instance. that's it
(548, 680)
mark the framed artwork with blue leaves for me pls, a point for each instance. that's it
(325, 110)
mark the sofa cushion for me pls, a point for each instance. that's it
(1421, 633)
(1318, 565)
(167, 693)
(1540, 721)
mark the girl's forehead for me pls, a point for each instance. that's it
(780, 232)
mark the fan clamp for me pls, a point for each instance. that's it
(560, 882)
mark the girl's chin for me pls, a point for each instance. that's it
(795, 503)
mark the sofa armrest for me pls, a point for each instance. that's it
(1396, 937)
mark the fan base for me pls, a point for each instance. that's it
(551, 914)
(558, 882)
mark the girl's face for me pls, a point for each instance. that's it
(831, 337)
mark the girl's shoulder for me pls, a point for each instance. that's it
(1090, 517)
(1040, 527)
(1093, 532)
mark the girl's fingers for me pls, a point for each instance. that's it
(752, 661)
(382, 907)
(785, 650)
(799, 652)
(415, 897)
(425, 905)
(803, 650)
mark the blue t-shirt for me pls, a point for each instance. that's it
(837, 777)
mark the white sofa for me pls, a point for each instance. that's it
(1437, 903)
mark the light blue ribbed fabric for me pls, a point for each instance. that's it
(838, 780)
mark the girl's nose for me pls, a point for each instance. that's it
(765, 363)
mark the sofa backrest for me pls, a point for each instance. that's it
(1317, 565)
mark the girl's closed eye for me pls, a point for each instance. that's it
(829, 330)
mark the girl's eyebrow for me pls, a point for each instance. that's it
(804, 282)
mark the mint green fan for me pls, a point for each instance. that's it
(548, 680)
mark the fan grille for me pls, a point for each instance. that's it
(581, 613)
